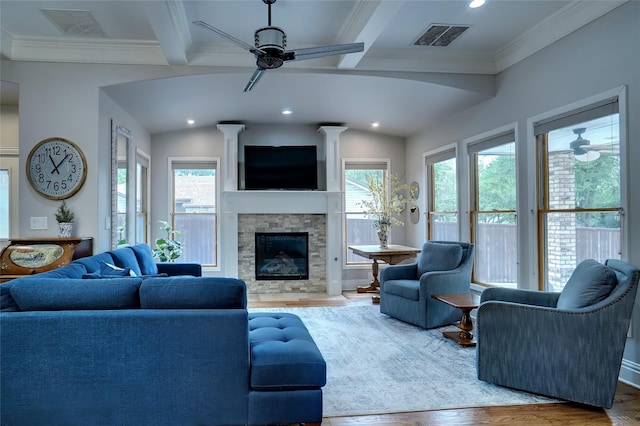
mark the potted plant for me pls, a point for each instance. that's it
(167, 249)
(64, 217)
(386, 200)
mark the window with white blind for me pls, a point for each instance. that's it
(359, 229)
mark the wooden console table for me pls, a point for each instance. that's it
(33, 256)
(390, 255)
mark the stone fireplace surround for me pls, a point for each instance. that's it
(245, 212)
(314, 224)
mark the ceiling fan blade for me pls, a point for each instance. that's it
(257, 75)
(221, 33)
(322, 51)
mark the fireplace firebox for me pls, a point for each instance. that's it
(282, 255)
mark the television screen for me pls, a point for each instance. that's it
(280, 167)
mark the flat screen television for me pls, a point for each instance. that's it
(280, 167)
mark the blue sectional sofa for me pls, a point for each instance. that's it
(150, 349)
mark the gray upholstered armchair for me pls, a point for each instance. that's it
(406, 289)
(565, 345)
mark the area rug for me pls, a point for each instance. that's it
(379, 365)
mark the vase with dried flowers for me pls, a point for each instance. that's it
(387, 199)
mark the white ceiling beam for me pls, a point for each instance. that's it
(171, 27)
(365, 24)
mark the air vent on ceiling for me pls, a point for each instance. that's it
(440, 35)
(74, 22)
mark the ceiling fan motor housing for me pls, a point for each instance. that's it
(273, 41)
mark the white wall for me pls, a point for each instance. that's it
(9, 160)
(598, 58)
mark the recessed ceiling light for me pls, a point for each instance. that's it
(375, 124)
(191, 121)
(476, 3)
(287, 111)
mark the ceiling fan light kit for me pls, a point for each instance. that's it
(579, 145)
(269, 48)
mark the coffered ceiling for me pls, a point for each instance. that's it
(402, 85)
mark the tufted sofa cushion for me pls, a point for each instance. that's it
(283, 354)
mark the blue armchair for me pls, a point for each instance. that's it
(565, 345)
(406, 289)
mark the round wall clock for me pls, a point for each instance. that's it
(56, 168)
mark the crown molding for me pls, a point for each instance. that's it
(415, 60)
(98, 51)
(567, 20)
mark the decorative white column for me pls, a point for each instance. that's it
(332, 145)
(334, 208)
(230, 165)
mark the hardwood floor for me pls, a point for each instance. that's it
(625, 410)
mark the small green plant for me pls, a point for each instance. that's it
(167, 249)
(122, 238)
(64, 213)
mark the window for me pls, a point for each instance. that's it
(122, 202)
(493, 209)
(195, 210)
(579, 199)
(359, 229)
(142, 198)
(442, 197)
(5, 199)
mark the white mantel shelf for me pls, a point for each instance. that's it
(284, 202)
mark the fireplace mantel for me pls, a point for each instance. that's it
(329, 203)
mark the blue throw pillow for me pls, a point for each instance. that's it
(589, 283)
(107, 270)
(144, 255)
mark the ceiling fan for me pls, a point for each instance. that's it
(584, 151)
(270, 45)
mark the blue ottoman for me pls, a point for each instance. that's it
(284, 357)
(283, 354)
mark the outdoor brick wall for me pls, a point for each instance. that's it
(561, 227)
(314, 224)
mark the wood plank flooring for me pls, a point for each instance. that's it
(625, 410)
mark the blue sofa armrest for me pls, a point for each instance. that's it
(404, 271)
(439, 282)
(526, 297)
(180, 268)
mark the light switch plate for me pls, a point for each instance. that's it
(39, 223)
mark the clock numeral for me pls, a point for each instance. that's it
(38, 168)
(42, 158)
(73, 168)
(48, 184)
(41, 178)
(63, 184)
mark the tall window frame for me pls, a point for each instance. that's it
(358, 228)
(5, 205)
(591, 225)
(443, 220)
(143, 167)
(493, 207)
(194, 208)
